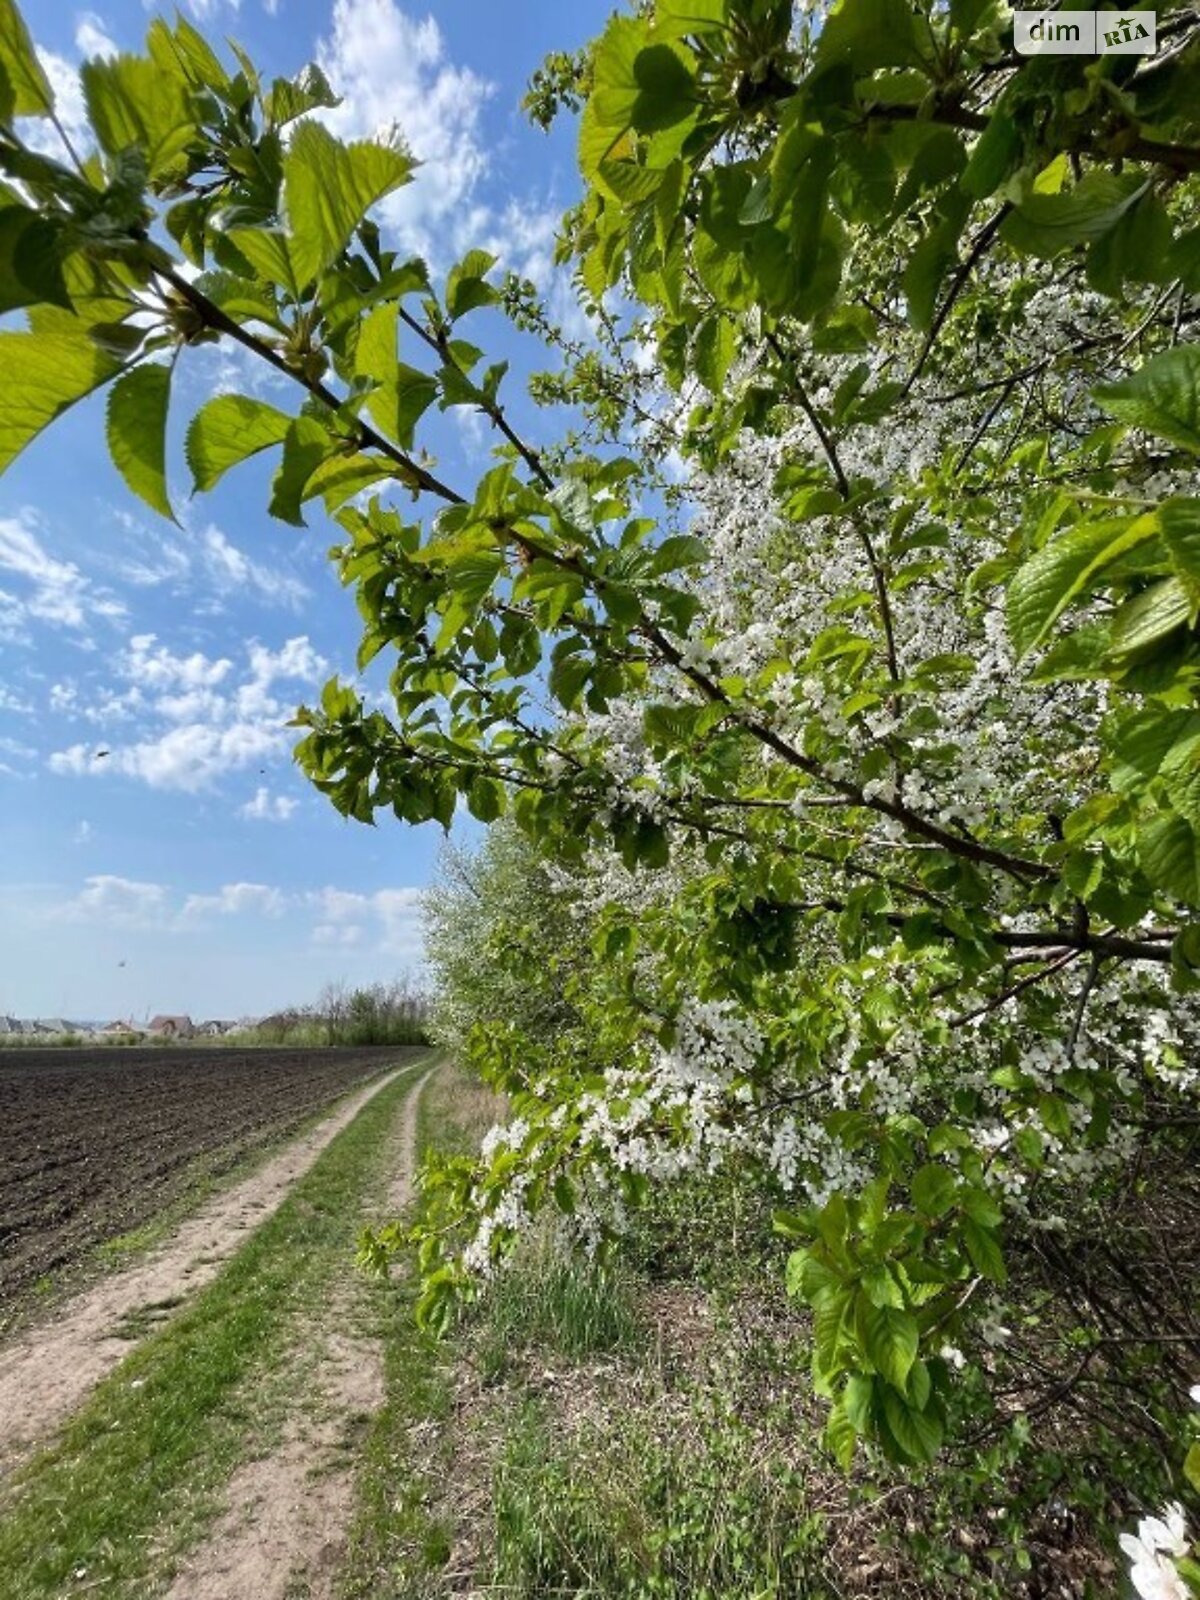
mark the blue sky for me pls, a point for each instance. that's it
(191, 868)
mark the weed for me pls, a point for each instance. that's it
(619, 1511)
(546, 1297)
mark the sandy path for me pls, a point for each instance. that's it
(47, 1372)
(284, 1529)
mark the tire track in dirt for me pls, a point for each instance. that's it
(48, 1371)
(284, 1528)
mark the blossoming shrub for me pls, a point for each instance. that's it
(877, 777)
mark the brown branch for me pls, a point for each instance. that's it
(1015, 989)
(843, 485)
(1179, 157)
(213, 317)
(1085, 994)
(440, 345)
(983, 240)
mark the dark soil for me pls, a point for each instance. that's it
(94, 1143)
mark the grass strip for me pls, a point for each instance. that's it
(162, 1433)
(400, 1540)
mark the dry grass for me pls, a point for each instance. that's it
(457, 1109)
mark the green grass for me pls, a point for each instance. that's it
(399, 1543)
(142, 1465)
(622, 1511)
(545, 1299)
(400, 1538)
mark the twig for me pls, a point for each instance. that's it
(982, 240)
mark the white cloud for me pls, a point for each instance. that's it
(202, 10)
(152, 666)
(118, 903)
(266, 807)
(523, 237)
(231, 570)
(325, 933)
(392, 73)
(206, 555)
(235, 900)
(83, 833)
(91, 37)
(191, 757)
(159, 560)
(69, 107)
(215, 725)
(58, 593)
(17, 704)
(100, 706)
(389, 920)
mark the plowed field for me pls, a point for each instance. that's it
(95, 1143)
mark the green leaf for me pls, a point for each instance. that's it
(1141, 624)
(673, 19)
(1162, 396)
(137, 432)
(649, 86)
(268, 255)
(869, 34)
(993, 156)
(890, 1339)
(979, 1205)
(292, 97)
(1169, 850)
(1141, 742)
(31, 269)
(840, 1437)
(1180, 520)
(928, 265)
(713, 351)
(1191, 1466)
(228, 430)
(857, 1398)
(186, 53)
(1137, 248)
(933, 1190)
(1181, 774)
(44, 373)
(485, 800)
(132, 102)
(1065, 569)
(983, 1247)
(1054, 1115)
(919, 1434)
(28, 85)
(881, 1288)
(665, 76)
(329, 187)
(465, 286)
(1042, 225)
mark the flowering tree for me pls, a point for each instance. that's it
(880, 784)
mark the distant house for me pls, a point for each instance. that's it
(118, 1028)
(52, 1026)
(170, 1027)
(9, 1025)
(213, 1029)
